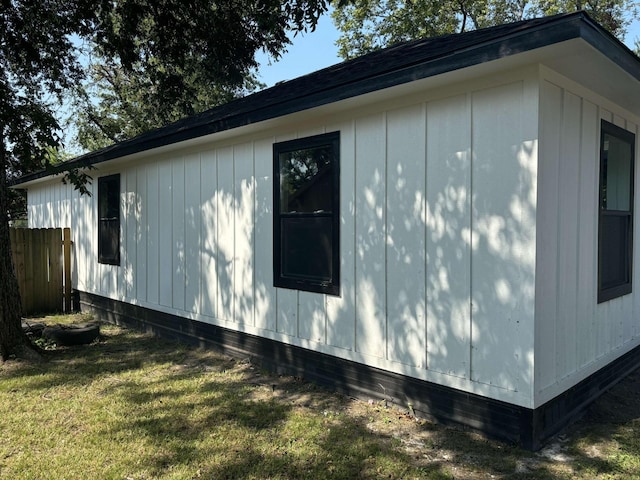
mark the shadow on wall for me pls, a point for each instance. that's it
(442, 272)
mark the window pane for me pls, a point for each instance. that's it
(615, 238)
(616, 172)
(109, 219)
(306, 249)
(306, 222)
(109, 239)
(614, 268)
(109, 198)
(306, 180)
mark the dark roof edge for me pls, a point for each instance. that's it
(289, 97)
(606, 43)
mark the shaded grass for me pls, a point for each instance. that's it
(132, 406)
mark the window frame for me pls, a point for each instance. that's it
(104, 185)
(624, 287)
(280, 278)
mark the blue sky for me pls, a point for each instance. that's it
(316, 50)
(309, 52)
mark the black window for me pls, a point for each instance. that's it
(109, 219)
(306, 214)
(615, 245)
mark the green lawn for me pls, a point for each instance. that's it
(131, 406)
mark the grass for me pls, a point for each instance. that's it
(131, 406)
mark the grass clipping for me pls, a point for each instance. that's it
(131, 406)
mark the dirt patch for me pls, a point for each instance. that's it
(581, 447)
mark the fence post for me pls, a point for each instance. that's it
(67, 269)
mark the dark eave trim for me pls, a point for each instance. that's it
(368, 74)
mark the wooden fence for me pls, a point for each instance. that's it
(42, 262)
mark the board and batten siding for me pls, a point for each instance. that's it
(437, 239)
(576, 336)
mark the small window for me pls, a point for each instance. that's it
(615, 245)
(306, 214)
(109, 219)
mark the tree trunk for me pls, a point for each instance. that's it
(13, 341)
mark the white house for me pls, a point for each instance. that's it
(449, 223)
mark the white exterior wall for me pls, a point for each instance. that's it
(576, 336)
(437, 240)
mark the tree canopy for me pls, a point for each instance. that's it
(163, 46)
(162, 61)
(368, 25)
(114, 104)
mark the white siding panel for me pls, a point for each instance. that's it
(587, 235)
(165, 233)
(405, 245)
(67, 193)
(192, 238)
(449, 236)
(287, 311)
(33, 203)
(370, 257)
(244, 197)
(265, 293)
(91, 239)
(497, 137)
(50, 206)
(312, 322)
(54, 205)
(225, 234)
(142, 228)
(76, 275)
(312, 316)
(603, 318)
(178, 230)
(35, 200)
(547, 234)
(208, 226)
(569, 177)
(130, 247)
(341, 311)
(62, 214)
(42, 208)
(153, 250)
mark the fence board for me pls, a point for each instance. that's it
(66, 245)
(18, 249)
(39, 261)
(54, 254)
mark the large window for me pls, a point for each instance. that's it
(109, 219)
(306, 214)
(615, 245)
